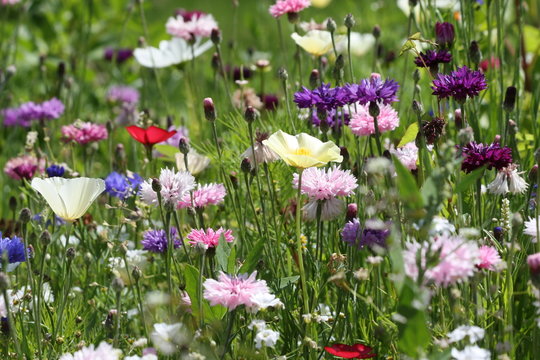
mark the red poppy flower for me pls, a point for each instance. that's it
(356, 351)
(149, 136)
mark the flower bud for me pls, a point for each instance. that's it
(282, 74)
(45, 238)
(474, 52)
(352, 211)
(498, 233)
(534, 267)
(209, 109)
(234, 179)
(331, 25)
(61, 69)
(117, 284)
(245, 166)
(374, 110)
(418, 108)
(533, 174)
(70, 253)
(293, 17)
(13, 203)
(314, 78)
(444, 33)
(25, 215)
(349, 21)
(183, 146)
(156, 185)
(215, 62)
(458, 118)
(136, 273)
(215, 36)
(510, 99)
(340, 62)
(376, 31)
(251, 114)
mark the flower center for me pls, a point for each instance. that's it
(303, 151)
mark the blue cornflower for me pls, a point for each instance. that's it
(55, 170)
(156, 240)
(122, 186)
(14, 248)
(354, 235)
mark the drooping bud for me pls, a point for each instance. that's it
(510, 99)
(349, 21)
(245, 166)
(444, 33)
(209, 109)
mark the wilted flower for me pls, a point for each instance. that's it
(508, 179)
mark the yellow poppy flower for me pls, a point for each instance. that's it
(320, 3)
(303, 151)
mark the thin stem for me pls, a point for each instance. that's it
(11, 323)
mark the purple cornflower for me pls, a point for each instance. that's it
(55, 171)
(492, 156)
(432, 59)
(123, 94)
(119, 55)
(323, 98)
(459, 84)
(372, 90)
(354, 235)
(156, 240)
(14, 248)
(122, 186)
(30, 111)
(444, 33)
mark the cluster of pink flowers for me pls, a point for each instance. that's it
(283, 7)
(24, 167)
(323, 187)
(457, 259)
(188, 27)
(362, 123)
(407, 155)
(233, 291)
(209, 238)
(209, 194)
(84, 132)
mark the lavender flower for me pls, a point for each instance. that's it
(354, 235)
(460, 84)
(156, 240)
(30, 111)
(492, 156)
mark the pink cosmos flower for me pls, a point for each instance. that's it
(209, 194)
(322, 184)
(489, 258)
(283, 7)
(196, 25)
(84, 132)
(407, 155)
(362, 124)
(209, 238)
(457, 259)
(24, 167)
(233, 291)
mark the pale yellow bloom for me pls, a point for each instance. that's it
(196, 162)
(320, 3)
(315, 42)
(69, 198)
(303, 151)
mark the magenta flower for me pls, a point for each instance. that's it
(84, 132)
(209, 194)
(209, 238)
(233, 291)
(478, 155)
(282, 7)
(24, 167)
(489, 258)
(362, 123)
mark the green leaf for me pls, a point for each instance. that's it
(167, 150)
(223, 251)
(407, 188)
(415, 36)
(469, 180)
(410, 134)
(210, 313)
(286, 281)
(406, 47)
(414, 334)
(252, 258)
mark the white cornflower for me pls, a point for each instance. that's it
(257, 324)
(508, 179)
(169, 338)
(471, 353)
(267, 338)
(530, 229)
(474, 333)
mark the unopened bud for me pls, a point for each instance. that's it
(510, 99)
(245, 166)
(215, 36)
(282, 74)
(25, 215)
(12, 203)
(251, 114)
(331, 25)
(416, 76)
(183, 146)
(474, 52)
(417, 107)
(349, 21)
(533, 174)
(374, 110)
(352, 211)
(209, 109)
(61, 69)
(136, 273)
(234, 179)
(45, 238)
(117, 284)
(458, 118)
(293, 17)
(340, 62)
(344, 152)
(376, 31)
(497, 139)
(70, 253)
(534, 267)
(314, 78)
(156, 185)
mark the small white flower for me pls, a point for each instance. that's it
(474, 333)
(170, 52)
(168, 338)
(471, 353)
(441, 226)
(267, 338)
(508, 179)
(530, 229)
(257, 324)
(141, 342)
(263, 301)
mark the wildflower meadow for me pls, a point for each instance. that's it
(269, 179)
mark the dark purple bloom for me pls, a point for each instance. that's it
(433, 129)
(14, 248)
(444, 33)
(55, 171)
(432, 59)
(119, 55)
(156, 240)
(460, 84)
(492, 156)
(354, 235)
(238, 73)
(270, 101)
(122, 186)
(372, 90)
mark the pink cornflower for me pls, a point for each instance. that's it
(187, 28)
(283, 7)
(209, 194)
(362, 124)
(174, 185)
(488, 258)
(407, 155)
(209, 238)
(233, 291)
(457, 259)
(84, 132)
(24, 167)
(322, 184)
(10, 2)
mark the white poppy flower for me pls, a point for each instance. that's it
(69, 198)
(170, 52)
(196, 162)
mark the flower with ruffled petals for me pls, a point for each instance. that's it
(122, 186)
(282, 7)
(104, 351)
(209, 194)
(354, 235)
(174, 185)
(363, 124)
(530, 228)
(30, 111)
(233, 291)
(24, 167)
(156, 240)
(492, 156)
(373, 89)
(432, 59)
(489, 258)
(459, 84)
(209, 238)
(55, 170)
(84, 132)
(196, 25)
(14, 248)
(323, 184)
(508, 180)
(407, 155)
